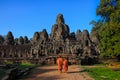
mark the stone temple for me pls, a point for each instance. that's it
(43, 48)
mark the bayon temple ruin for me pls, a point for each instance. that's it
(44, 47)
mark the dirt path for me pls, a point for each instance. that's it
(51, 73)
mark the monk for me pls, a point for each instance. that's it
(60, 63)
(65, 65)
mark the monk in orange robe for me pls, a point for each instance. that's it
(65, 65)
(60, 63)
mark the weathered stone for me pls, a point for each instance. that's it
(16, 41)
(9, 40)
(60, 42)
(20, 40)
(44, 35)
(79, 35)
(1, 39)
(36, 36)
(60, 19)
(60, 31)
(85, 38)
(95, 43)
(26, 41)
(72, 36)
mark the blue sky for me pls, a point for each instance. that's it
(24, 17)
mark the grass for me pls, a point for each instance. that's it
(25, 64)
(103, 73)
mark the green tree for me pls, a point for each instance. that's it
(96, 30)
(105, 9)
(109, 31)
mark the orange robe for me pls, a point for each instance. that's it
(59, 63)
(65, 65)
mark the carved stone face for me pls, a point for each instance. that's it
(60, 19)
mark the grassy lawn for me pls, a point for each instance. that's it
(102, 73)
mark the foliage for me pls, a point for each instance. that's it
(8, 62)
(103, 73)
(108, 30)
(25, 64)
(105, 9)
(96, 30)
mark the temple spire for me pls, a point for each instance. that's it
(60, 19)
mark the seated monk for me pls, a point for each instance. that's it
(60, 63)
(65, 65)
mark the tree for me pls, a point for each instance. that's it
(105, 9)
(96, 30)
(109, 31)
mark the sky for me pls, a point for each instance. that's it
(25, 17)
